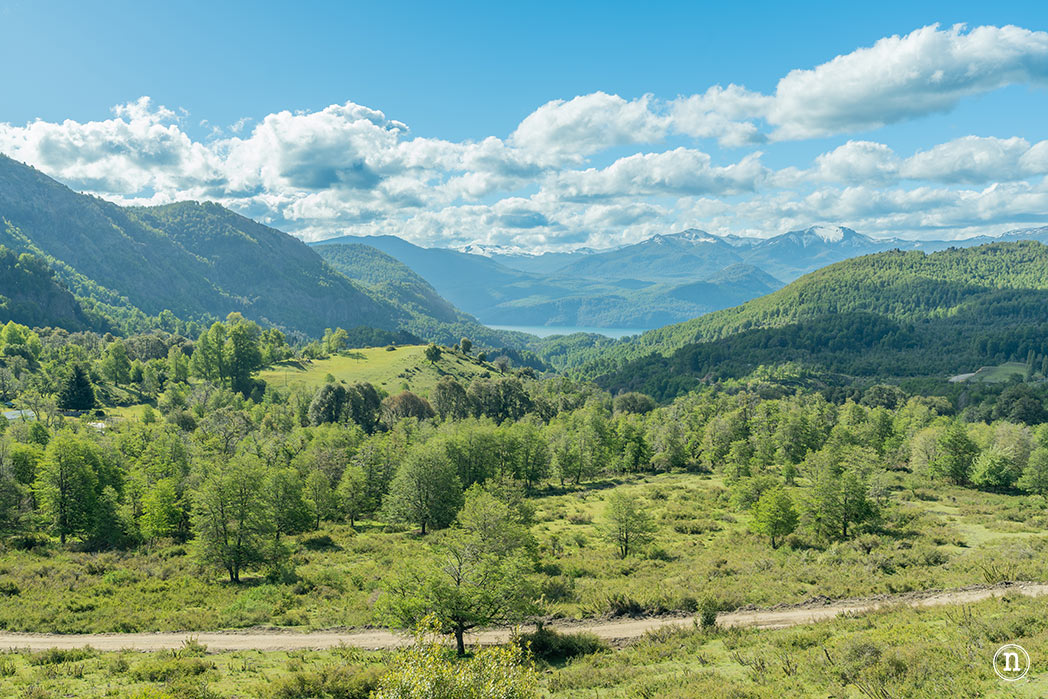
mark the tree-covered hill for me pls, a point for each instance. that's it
(892, 314)
(198, 261)
(30, 295)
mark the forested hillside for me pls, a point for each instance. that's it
(30, 295)
(193, 261)
(900, 314)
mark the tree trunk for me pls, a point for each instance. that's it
(423, 528)
(460, 641)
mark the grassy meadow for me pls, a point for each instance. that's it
(404, 368)
(950, 537)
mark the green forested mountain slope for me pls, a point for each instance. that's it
(30, 295)
(895, 313)
(390, 278)
(196, 261)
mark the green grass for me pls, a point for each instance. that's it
(941, 538)
(405, 368)
(1001, 373)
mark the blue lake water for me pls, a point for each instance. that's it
(547, 330)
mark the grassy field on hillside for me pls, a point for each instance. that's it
(993, 374)
(703, 548)
(902, 651)
(405, 368)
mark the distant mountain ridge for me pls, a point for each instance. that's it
(191, 261)
(665, 279)
(524, 294)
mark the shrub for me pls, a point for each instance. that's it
(553, 646)
(427, 669)
(331, 682)
(708, 608)
(55, 656)
(165, 668)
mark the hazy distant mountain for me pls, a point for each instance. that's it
(690, 254)
(619, 289)
(792, 254)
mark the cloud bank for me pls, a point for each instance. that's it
(600, 169)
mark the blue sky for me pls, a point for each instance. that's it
(427, 120)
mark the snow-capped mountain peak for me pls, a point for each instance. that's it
(830, 234)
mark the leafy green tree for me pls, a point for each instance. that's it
(477, 577)
(335, 341)
(327, 404)
(288, 504)
(243, 352)
(955, 454)
(629, 525)
(115, 364)
(208, 360)
(995, 469)
(162, 513)
(231, 520)
(66, 483)
(426, 490)
(432, 353)
(177, 365)
(634, 453)
(466, 345)
(1035, 476)
(363, 406)
(633, 402)
(352, 493)
(774, 516)
(76, 392)
(839, 503)
(405, 404)
(450, 400)
(320, 496)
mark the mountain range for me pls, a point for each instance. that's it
(662, 280)
(588, 288)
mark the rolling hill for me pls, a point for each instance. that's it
(895, 314)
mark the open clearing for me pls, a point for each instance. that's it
(405, 368)
(611, 630)
(992, 374)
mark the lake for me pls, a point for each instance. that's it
(547, 330)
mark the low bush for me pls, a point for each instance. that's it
(554, 646)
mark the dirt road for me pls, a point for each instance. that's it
(611, 630)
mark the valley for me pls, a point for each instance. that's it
(545, 351)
